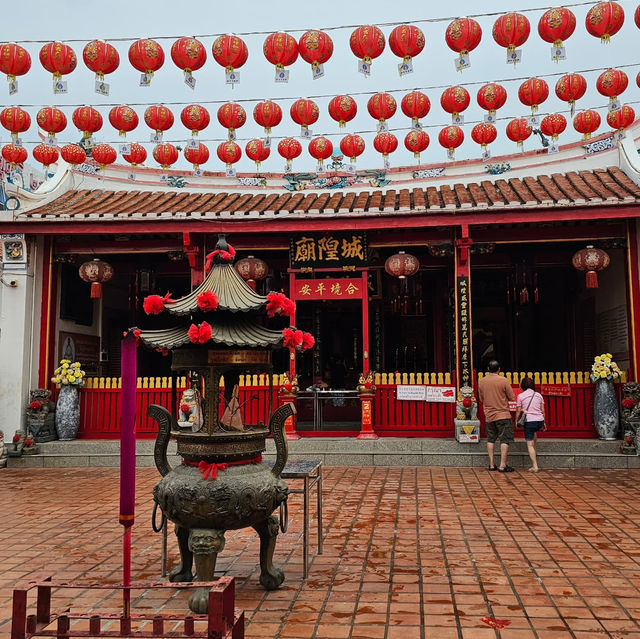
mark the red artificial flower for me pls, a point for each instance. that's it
(193, 333)
(207, 301)
(628, 440)
(28, 442)
(275, 302)
(467, 402)
(200, 334)
(308, 342)
(35, 405)
(153, 305)
(292, 338)
(184, 408)
(288, 307)
(16, 439)
(136, 333)
(628, 403)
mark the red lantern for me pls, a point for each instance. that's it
(518, 130)
(611, 83)
(385, 143)
(229, 153)
(137, 155)
(289, 148)
(197, 156)
(14, 154)
(231, 116)
(87, 119)
(571, 87)
(257, 151)
(352, 146)
(590, 260)
(14, 60)
(586, 122)
(304, 113)
(73, 154)
(165, 154)
(58, 58)
(320, 149)
(555, 26)
(267, 114)
(230, 52)
(104, 154)
(636, 16)
(159, 118)
(533, 92)
(367, 42)
(281, 49)
(511, 31)
(15, 120)
(51, 120)
(416, 141)
(45, 154)
(146, 56)
(316, 47)
(188, 54)
(622, 118)
(463, 35)
(451, 137)
(251, 270)
(343, 109)
(553, 125)
(381, 106)
(123, 118)
(604, 19)
(491, 97)
(484, 134)
(406, 42)
(454, 100)
(97, 273)
(401, 265)
(195, 118)
(101, 58)
(415, 105)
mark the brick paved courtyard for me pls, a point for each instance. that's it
(409, 552)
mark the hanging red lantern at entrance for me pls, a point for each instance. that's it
(556, 25)
(385, 143)
(100, 57)
(604, 19)
(257, 151)
(88, 120)
(146, 56)
(343, 109)
(455, 100)
(230, 52)
(367, 43)
(451, 137)
(97, 273)
(612, 83)
(491, 97)
(58, 59)
(14, 154)
(165, 154)
(590, 260)
(14, 60)
(45, 154)
(137, 154)
(189, 55)
(484, 134)
(463, 35)
(51, 120)
(352, 146)
(416, 141)
(195, 118)
(320, 149)
(281, 49)
(518, 130)
(315, 47)
(636, 16)
(197, 156)
(229, 153)
(123, 118)
(571, 87)
(533, 92)
(73, 154)
(159, 118)
(586, 122)
(104, 154)
(553, 125)
(15, 120)
(401, 265)
(622, 118)
(289, 149)
(511, 31)
(305, 113)
(406, 41)
(231, 116)
(251, 269)
(381, 106)
(415, 105)
(267, 114)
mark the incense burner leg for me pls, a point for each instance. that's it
(183, 572)
(205, 545)
(270, 576)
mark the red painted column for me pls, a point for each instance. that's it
(47, 313)
(365, 322)
(289, 390)
(195, 256)
(633, 290)
(365, 385)
(463, 325)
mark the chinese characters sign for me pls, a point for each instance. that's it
(328, 289)
(333, 250)
(464, 330)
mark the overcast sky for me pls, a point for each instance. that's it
(72, 19)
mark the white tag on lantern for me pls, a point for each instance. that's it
(50, 141)
(101, 87)
(351, 168)
(164, 178)
(558, 53)
(533, 121)
(232, 77)
(232, 135)
(489, 118)
(131, 177)
(451, 154)
(192, 144)
(305, 133)
(89, 142)
(17, 142)
(364, 68)
(198, 172)
(124, 149)
(14, 175)
(59, 87)
(553, 148)
(189, 80)
(405, 67)
(282, 75)
(515, 56)
(156, 137)
(387, 164)
(320, 167)
(267, 142)
(486, 155)
(230, 172)
(416, 126)
(317, 71)
(457, 119)
(619, 135)
(462, 62)
(383, 127)
(614, 106)
(145, 79)
(13, 87)
(287, 168)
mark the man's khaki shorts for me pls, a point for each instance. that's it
(501, 429)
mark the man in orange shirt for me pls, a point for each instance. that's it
(495, 393)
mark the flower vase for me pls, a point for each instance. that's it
(68, 412)
(605, 410)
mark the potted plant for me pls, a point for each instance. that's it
(69, 378)
(604, 372)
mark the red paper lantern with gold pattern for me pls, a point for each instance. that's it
(571, 87)
(556, 25)
(289, 149)
(611, 83)
(137, 154)
(315, 47)
(197, 156)
(230, 52)
(305, 113)
(58, 58)
(385, 143)
(97, 273)
(15, 120)
(533, 92)
(73, 154)
(622, 118)
(406, 41)
(229, 153)
(257, 151)
(484, 134)
(401, 265)
(343, 109)
(367, 43)
(451, 137)
(590, 260)
(100, 57)
(123, 118)
(51, 120)
(415, 105)
(45, 154)
(416, 141)
(104, 154)
(381, 106)
(491, 96)
(454, 100)
(587, 122)
(511, 31)
(553, 125)
(636, 16)
(518, 130)
(352, 146)
(146, 56)
(14, 60)
(463, 35)
(165, 154)
(14, 154)
(281, 49)
(320, 149)
(195, 118)
(251, 269)
(159, 118)
(231, 116)
(267, 114)
(87, 119)
(604, 19)
(188, 54)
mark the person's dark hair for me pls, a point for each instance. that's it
(493, 366)
(528, 383)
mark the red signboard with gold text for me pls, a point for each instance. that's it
(328, 289)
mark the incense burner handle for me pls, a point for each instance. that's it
(165, 421)
(276, 428)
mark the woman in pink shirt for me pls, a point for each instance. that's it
(532, 405)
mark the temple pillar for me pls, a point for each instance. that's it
(194, 250)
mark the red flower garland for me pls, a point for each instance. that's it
(207, 301)
(154, 304)
(200, 334)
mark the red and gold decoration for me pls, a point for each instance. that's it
(189, 55)
(590, 260)
(571, 87)
(229, 153)
(159, 118)
(73, 154)
(586, 122)
(402, 265)
(518, 130)
(315, 47)
(406, 41)
(304, 112)
(14, 154)
(415, 105)
(100, 57)
(165, 154)
(367, 43)
(97, 273)
(123, 118)
(59, 59)
(146, 56)
(195, 118)
(230, 52)
(252, 269)
(88, 120)
(231, 116)
(320, 149)
(14, 61)
(491, 97)
(267, 114)
(197, 156)
(463, 35)
(416, 141)
(45, 154)
(511, 31)
(622, 118)
(15, 120)
(451, 137)
(553, 125)
(257, 151)
(281, 49)
(455, 100)
(385, 143)
(612, 83)
(52, 120)
(381, 107)
(484, 134)
(104, 154)
(343, 109)
(137, 155)
(289, 149)
(555, 26)
(533, 92)
(604, 19)
(352, 146)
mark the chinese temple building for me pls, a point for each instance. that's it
(406, 277)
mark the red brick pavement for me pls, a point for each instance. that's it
(409, 552)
